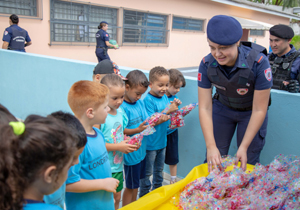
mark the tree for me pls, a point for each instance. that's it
(283, 3)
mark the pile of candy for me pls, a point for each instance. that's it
(177, 119)
(275, 186)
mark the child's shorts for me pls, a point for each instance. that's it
(134, 173)
(172, 157)
(119, 176)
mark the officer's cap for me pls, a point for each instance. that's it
(224, 30)
(104, 22)
(282, 31)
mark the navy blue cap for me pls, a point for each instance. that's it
(224, 30)
(282, 31)
(104, 22)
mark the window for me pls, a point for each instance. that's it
(19, 7)
(75, 22)
(257, 32)
(141, 27)
(187, 24)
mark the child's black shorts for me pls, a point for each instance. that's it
(172, 157)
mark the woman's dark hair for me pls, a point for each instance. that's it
(5, 115)
(101, 25)
(136, 78)
(112, 80)
(14, 19)
(45, 142)
(74, 125)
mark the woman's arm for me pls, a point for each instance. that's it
(259, 111)
(205, 117)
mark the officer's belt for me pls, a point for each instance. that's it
(104, 48)
(216, 96)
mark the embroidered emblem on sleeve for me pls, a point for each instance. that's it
(268, 74)
(199, 77)
(5, 33)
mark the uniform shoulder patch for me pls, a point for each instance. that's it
(106, 35)
(199, 77)
(268, 74)
(5, 33)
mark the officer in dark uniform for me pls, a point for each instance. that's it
(15, 37)
(102, 38)
(241, 74)
(284, 59)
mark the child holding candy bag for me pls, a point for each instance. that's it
(134, 163)
(172, 158)
(113, 130)
(156, 102)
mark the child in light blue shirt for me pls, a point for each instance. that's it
(157, 101)
(134, 163)
(113, 130)
(90, 184)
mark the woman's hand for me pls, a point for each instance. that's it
(213, 158)
(242, 156)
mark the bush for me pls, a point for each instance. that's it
(296, 42)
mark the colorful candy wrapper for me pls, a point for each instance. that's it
(137, 139)
(177, 119)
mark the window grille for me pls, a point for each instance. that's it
(19, 7)
(187, 24)
(141, 27)
(257, 32)
(76, 22)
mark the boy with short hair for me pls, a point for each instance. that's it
(89, 184)
(172, 158)
(134, 163)
(76, 129)
(157, 101)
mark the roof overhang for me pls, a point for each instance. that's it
(253, 24)
(272, 12)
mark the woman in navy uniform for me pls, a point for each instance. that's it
(102, 38)
(242, 77)
(15, 37)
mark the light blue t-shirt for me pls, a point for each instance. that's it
(136, 113)
(58, 197)
(169, 131)
(39, 206)
(113, 122)
(157, 140)
(93, 164)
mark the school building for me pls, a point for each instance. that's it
(170, 33)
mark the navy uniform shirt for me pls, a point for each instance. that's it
(102, 35)
(296, 64)
(7, 36)
(261, 69)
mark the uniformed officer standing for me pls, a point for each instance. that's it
(242, 77)
(15, 37)
(102, 38)
(284, 59)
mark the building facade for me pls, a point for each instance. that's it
(169, 33)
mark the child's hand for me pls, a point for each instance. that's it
(126, 148)
(173, 107)
(142, 126)
(163, 119)
(111, 185)
(177, 101)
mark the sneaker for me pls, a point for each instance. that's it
(172, 181)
